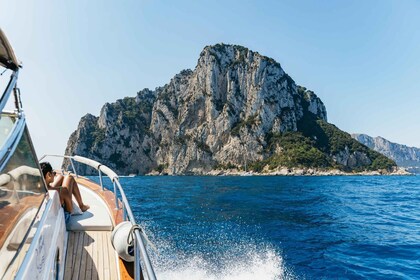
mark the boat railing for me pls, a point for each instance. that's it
(140, 252)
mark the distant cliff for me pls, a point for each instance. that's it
(403, 155)
(236, 110)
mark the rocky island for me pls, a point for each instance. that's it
(237, 111)
(404, 156)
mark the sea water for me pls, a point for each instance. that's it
(260, 227)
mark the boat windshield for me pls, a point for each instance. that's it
(6, 124)
(22, 191)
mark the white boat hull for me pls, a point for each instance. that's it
(45, 258)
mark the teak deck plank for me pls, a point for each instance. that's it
(89, 259)
(112, 259)
(70, 251)
(82, 272)
(77, 257)
(95, 254)
(90, 255)
(106, 256)
(100, 257)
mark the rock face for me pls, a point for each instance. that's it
(404, 156)
(221, 114)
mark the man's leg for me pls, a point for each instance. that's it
(73, 188)
(65, 196)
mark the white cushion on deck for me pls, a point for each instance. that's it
(95, 218)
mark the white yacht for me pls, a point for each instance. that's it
(104, 242)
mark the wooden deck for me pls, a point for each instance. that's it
(90, 255)
(95, 268)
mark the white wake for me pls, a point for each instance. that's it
(264, 266)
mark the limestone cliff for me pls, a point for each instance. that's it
(236, 109)
(403, 155)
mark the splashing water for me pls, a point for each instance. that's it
(238, 260)
(262, 266)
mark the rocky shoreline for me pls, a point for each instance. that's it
(399, 171)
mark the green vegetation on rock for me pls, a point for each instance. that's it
(98, 136)
(315, 145)
(117, 160)
(296, 151)
(248, 123)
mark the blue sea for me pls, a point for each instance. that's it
(344, 227)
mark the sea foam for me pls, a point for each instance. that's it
(262, 266)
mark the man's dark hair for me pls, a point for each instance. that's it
(45, 167)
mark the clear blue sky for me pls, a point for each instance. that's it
(362, 58)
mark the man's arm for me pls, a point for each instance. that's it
(58, 181)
